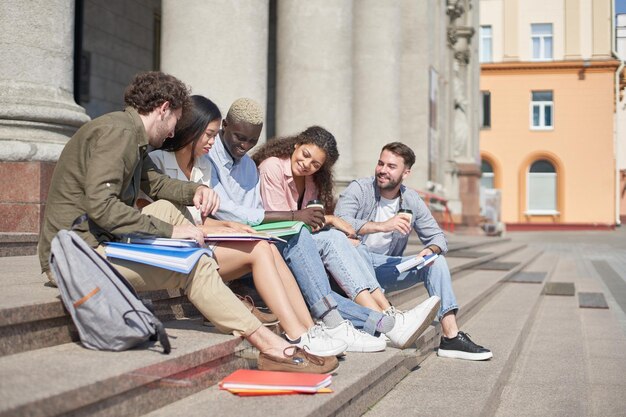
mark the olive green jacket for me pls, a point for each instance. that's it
(100, 172)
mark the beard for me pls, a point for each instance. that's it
(386, 182)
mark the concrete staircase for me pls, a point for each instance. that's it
(551, 356)
(44, 372)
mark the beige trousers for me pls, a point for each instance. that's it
(203, 285)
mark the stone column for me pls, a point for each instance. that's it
(314, 71)
(218, 47)
(376, 108)
(463, 181)
(37, 109)
(415, 70)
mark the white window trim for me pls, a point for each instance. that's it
(481, 57)
(541, 115)
(542, 44)
(541, 212)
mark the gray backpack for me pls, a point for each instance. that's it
(103, 305)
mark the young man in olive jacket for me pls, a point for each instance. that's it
(100, 172)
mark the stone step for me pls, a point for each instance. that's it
(32, 315)
(502, 324)
(362, 379)
(473, 291)
(459, 267)
(458, 243)
(458, 264)
(18, 244)
(68, 378)
(582, 374)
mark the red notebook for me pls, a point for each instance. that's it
(291, 381)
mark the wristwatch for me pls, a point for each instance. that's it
(434, 249)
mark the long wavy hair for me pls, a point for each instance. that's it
(314, 135)
(192, 125)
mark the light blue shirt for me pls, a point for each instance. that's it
(237, 184)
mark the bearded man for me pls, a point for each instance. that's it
(383, 211)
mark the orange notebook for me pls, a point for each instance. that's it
(270, 380)
(261, 392)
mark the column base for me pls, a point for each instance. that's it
(23, 195)
(469, 177)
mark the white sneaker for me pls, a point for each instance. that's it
(318, 342)
(357, 340)
(412, 323)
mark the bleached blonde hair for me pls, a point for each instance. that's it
(246, 110)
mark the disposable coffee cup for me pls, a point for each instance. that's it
(406, 213)
(315, 203)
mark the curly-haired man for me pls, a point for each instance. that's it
(100, 172)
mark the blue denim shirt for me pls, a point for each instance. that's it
(237, 184)
(357, 205)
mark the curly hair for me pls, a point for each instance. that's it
(245, 110)
(192, 125)
(149, 90)
(314, 135)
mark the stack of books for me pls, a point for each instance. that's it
(251, 382)
(180, 255)
(175, 258)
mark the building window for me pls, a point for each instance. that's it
(542, 188)
(541, 37)
(541, 110)
(487, 179)
(486, 44)
(485, 109)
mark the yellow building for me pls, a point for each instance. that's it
(548, 112)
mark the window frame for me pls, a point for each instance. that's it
(484, 38)
(542, 212)
(542, 106)
(482, 113)
(542, 43)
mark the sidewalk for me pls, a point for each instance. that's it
(551, 357)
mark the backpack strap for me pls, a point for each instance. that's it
(79, 220)
(162, 335)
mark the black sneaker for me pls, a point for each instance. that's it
(461, 347)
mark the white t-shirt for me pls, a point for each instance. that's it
(379, 242)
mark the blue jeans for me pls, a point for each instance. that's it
(344, 264)
(302, 257)
(436, 277)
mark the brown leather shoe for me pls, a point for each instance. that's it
(297, 361)
(267, 319)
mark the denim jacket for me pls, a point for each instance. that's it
(357, 205)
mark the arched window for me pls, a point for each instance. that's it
(487, 179)
(541, 188)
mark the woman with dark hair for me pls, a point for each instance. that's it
(184, 157)
(321, 176)
(298, 169)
